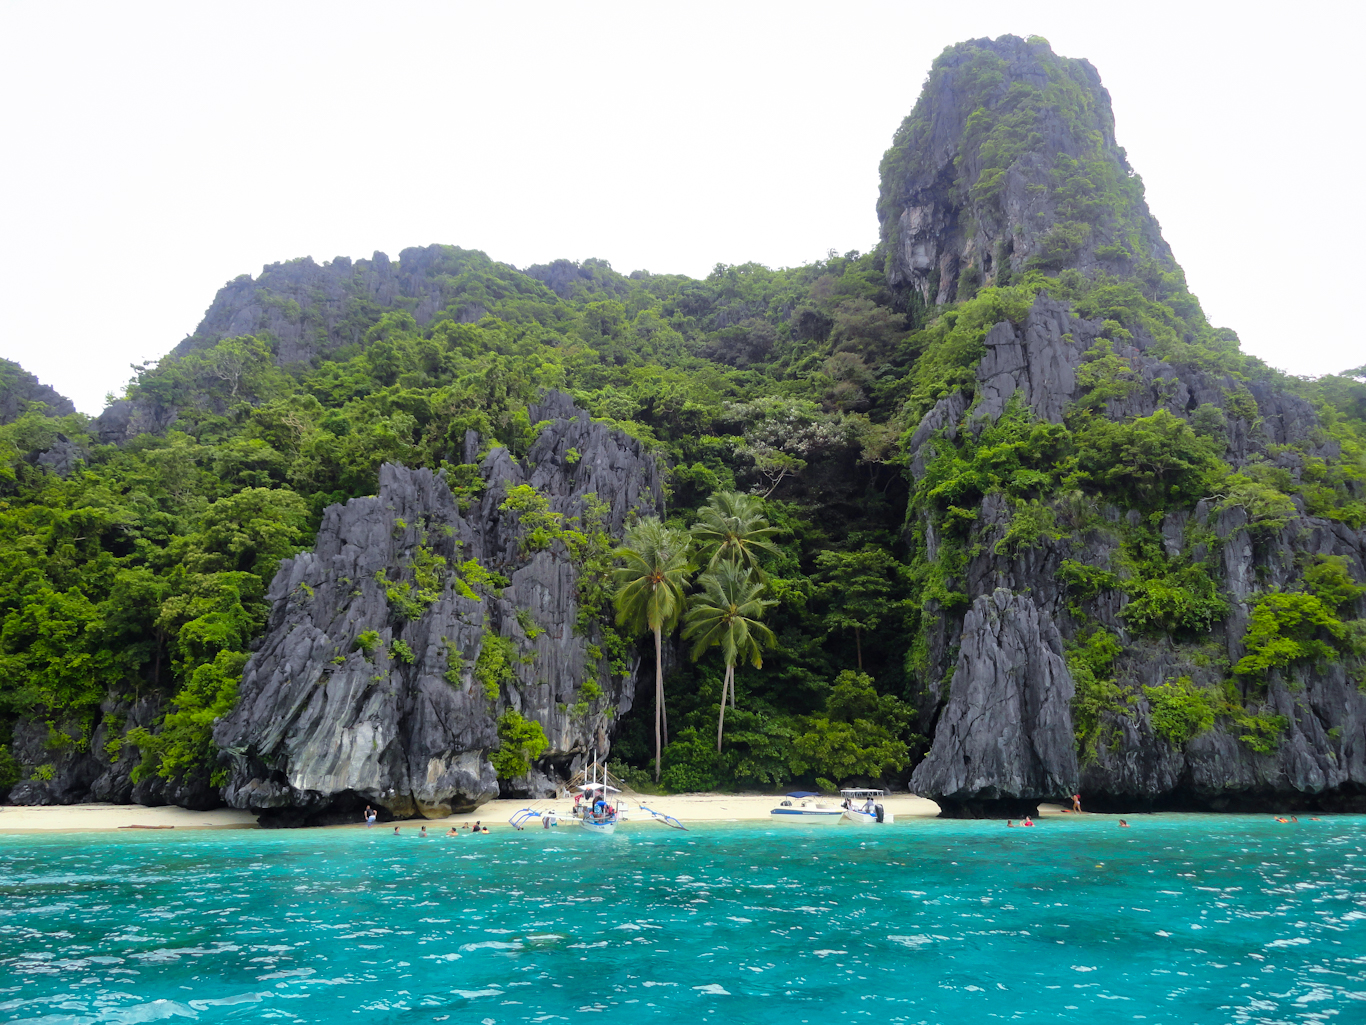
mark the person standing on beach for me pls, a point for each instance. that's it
(1076, 802)
(369, 816)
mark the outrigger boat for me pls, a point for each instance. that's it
(805, 806)
(869, 812)
(596, 807)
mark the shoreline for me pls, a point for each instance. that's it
(687, 808)
(710, 808)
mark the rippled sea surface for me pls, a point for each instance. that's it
(1177, 919)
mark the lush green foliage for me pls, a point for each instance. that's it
(520, 742)
(151, 561)
(1097, 695)
(1180, 710)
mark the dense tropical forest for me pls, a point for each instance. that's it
(138, 568)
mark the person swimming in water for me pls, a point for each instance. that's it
(1027, 821)
(1010, 824)
(452, 831)
(396, 831)
(1123, 824)
(423, 834)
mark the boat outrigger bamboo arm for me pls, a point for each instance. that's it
(668, 820)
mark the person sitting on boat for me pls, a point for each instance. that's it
(868, 806)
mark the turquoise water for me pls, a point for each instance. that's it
(1177, 919)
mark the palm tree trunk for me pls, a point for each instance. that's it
(659, 700)
(732, 687)
(721, 719)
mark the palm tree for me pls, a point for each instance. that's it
(650, 595)
(732, 527)
(726, 612)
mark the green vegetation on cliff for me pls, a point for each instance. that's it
(138, 568)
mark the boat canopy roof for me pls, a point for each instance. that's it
(864, 793)
(598, 786)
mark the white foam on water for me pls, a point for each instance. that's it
(240, 998)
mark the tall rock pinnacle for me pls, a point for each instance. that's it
(1009, 163)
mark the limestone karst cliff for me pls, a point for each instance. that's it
(1009, 163)
(325, 725)
(1041, 528)
(1005, 723)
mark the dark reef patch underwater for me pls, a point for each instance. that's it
(1178, 919)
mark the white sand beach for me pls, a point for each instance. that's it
(684, 807)
(23, 819)
(495, 814)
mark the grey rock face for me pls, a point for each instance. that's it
(323, 727)
(1036, 363)
(78, 769)
(1005, 734)
(936, 219)
(312, 309)
(979, 766)
(64, 458)
(125, 419)
(20, 391)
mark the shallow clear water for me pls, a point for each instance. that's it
(1177, 919)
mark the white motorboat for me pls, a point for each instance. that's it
(863, 807)
(805, 806)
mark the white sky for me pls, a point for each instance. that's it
(151, 152)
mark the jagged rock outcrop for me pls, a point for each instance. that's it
(324, 726)
(73, 768)
(1037, 361)
(20, 391)
(313, 309)
(977, 767)
(1004, 737)
(125, 419)
(1009, 162)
